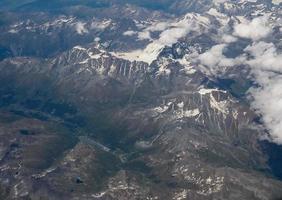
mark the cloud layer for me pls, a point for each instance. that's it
(256, 29)
(216, 61)
(265, 62)
(263, 58)
(170, 33)
(266, 66)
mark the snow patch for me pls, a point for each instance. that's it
(204, 91)
(221, 106)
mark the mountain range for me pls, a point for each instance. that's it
(126, 100)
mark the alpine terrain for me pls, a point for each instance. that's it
(140, 99)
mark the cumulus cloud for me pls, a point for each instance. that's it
(266, 64)
(170, 33)
(228, 38)
(97, 39)
(268, 103)
(171, 36)
(265, 56)
(276, 2)
(144, 35)
(158, 26)
(255, 29)
(216, 61)
(173, 31)
(263, 59)
(80, 28)
(129, 33)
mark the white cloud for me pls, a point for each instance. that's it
(80, 28)
(171, 32)
(268, 103)
(256, 29)
(97, 39)
(158, 26)
(171, 36)
(228, 38)
(144, 35)
(212, 57)
(265, 63)
(129, 33)
(263, 59)
(179, 29)
(266, 66)
(217, 61)
(276, 2)
(265, 56)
